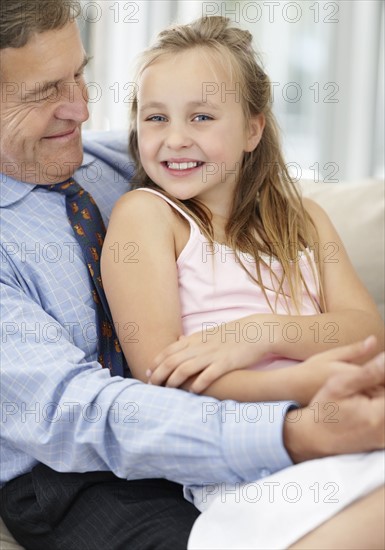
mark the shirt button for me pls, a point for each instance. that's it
(265, 472)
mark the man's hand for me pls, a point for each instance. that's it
(347, 415)
(312, 374)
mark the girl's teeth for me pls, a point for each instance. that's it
(181, 165)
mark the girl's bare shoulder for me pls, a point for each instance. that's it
(141, 203)
(320, 218)
(142, 209)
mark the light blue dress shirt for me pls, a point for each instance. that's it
(58, 406)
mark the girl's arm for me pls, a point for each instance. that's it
(140, 278)
(350, 312)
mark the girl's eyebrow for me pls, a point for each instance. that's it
(204, 104)
(151, 105)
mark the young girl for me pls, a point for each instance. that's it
(214, 263)
(218, 240)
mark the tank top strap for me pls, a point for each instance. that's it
(192, 223)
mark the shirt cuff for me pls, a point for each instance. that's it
(253, 438)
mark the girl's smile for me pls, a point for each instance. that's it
(181, 167)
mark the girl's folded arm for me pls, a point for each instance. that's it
(141, 283)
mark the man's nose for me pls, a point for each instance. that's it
(73, 102)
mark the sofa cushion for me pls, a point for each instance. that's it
(357, 211)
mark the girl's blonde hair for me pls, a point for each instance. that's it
(267, 216)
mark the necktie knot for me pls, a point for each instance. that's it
(68, 188)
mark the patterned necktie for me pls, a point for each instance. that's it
(87, 223)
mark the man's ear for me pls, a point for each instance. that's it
(255, 129)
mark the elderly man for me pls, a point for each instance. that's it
(91, 460)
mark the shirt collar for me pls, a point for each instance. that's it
(12, 191)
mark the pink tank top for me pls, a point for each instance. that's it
(214, 289)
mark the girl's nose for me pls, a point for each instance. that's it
(177, 137)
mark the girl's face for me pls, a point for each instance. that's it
(192, 132)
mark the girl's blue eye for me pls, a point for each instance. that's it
(202, 117)
(156, 118)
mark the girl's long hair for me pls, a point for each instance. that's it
(267, 217)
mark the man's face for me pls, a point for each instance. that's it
(43, 104)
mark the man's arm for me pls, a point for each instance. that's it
(60, 408)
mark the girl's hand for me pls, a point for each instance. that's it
(208, 357)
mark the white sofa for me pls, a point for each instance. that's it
(357, 211)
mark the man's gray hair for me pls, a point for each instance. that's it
(21, 19)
